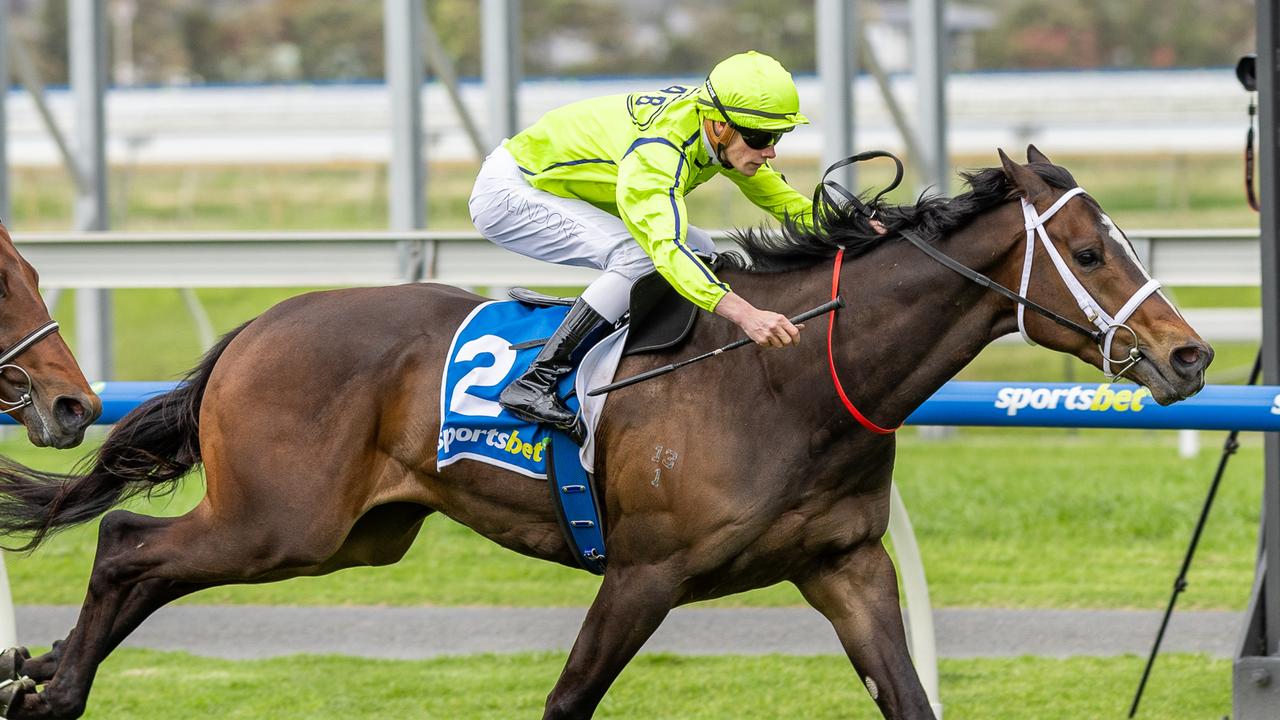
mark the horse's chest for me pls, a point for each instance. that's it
(808, 533)
(830, 524)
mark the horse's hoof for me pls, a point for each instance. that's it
(11, 692)
(11, 662)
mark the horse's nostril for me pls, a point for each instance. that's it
(69, 411)
(1191, 359)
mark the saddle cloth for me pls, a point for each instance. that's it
(481, 363)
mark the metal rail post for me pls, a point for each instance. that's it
(501, 66)
(837, 68)
(1256, 676)
(929, 58)
(4, 112)
(88, 38)
(403, 29)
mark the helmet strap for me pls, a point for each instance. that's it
(719, 140)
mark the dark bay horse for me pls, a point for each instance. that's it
(317, 422)
(40, 383)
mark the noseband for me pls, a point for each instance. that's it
(6, 362)
(1106, 324)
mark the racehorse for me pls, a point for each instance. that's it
(317, 424)
(40, 383)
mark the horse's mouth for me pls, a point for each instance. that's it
(1166, 391)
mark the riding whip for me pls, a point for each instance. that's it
(822, 309)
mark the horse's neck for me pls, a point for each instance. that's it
(909, 324)
(924, 322)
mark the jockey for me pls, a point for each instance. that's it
(601, 183)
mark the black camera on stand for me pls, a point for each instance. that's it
(1247, 72)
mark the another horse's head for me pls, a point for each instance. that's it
(40, 383)
(1098, 280)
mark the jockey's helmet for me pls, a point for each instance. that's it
(751, 90)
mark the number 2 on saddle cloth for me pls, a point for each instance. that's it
(481, 362)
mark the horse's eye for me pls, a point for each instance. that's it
(1088, 258)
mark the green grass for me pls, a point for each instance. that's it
(145, 685)
(1015, 518)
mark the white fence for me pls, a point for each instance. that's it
(1196, 258)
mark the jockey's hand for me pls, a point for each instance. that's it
(878, 226)
(766, 328)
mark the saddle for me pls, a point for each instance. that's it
(659, 318)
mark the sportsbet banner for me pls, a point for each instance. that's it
(1217, 407)
(1104, 405)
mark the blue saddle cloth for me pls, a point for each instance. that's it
(480, 364)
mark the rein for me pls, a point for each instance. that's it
(1106, 324)
(6, 362)
(831, 358)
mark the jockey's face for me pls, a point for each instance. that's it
(743, 157)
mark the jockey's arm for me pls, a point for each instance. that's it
(651, 204)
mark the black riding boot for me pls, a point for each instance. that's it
(532, 397)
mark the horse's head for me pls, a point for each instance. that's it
(40, 383)
(1097, 280)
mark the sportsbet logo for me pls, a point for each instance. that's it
(1013, 399)
(510, 442)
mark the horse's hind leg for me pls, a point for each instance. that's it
(630, 605)
(858, 593)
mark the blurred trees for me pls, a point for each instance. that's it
(1116, 33)
(298, 40)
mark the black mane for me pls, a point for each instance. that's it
(932, 216)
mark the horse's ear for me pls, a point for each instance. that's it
(1034, 155)
(1027, 183)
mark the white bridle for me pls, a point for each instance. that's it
(1107, 324)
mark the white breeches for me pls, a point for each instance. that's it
(566, 231)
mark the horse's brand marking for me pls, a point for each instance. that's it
(663, 457)
(872, 688)
(1099, 399)
(510, 442)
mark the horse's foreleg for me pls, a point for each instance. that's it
(141, 600)
(119, 598)
(632, 602)
(858, 593)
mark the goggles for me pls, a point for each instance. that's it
(758, 139)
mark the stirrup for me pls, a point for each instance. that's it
(577, 432)
(535, 298)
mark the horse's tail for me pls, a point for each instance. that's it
(154, 445)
